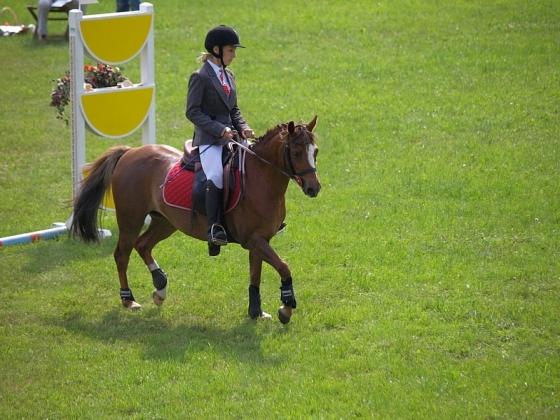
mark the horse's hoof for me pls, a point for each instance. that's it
(261, 315)
(130, 304)
(158, 300)
(284, 314)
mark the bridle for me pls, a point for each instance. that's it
(292, 174)
(296, 176)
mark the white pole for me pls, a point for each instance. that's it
(24, 238)
(76, 90)
(148, 79)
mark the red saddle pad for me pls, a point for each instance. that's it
(177, 190)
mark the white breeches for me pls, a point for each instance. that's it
(211, 160)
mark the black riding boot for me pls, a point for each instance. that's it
(216, 234)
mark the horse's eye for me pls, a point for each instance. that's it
(296, 154)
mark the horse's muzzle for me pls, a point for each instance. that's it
(311, 189)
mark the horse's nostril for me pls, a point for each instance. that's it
(312, 192)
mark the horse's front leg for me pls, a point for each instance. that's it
(255, 269)
(288, 299)
(262, 251)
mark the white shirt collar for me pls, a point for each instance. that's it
(216, 68)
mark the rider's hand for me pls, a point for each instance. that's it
(248, 133)
(227, 133)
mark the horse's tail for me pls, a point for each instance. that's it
(92, 190)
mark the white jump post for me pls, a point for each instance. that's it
(112, 39)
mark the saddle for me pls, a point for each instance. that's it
(185, 183)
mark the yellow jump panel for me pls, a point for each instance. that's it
(117, 112)
(115, 40)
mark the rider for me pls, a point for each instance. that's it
(212, 108)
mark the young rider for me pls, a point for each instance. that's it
(212, 108)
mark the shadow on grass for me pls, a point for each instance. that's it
(160, 339)
(50, 254)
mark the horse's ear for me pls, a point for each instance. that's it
(291, 128)
(311, 125)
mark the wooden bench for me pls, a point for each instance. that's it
(54, 14)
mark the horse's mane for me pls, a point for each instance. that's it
(282, 129)
(270, 134)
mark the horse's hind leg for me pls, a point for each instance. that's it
(127, 236)
(159, 229)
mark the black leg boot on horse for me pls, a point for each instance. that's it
(216, 233)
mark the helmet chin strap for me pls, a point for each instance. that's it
(220, 55)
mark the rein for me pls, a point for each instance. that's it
(260, 158)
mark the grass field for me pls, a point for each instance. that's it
(426, 271)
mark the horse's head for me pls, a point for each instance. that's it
(300, 155)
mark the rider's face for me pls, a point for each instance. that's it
(228, 53)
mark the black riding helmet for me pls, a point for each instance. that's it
(220, 36)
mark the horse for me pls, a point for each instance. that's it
(136, 176)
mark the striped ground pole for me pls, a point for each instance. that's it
(56, 230)
(24, 238)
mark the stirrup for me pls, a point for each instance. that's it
(282, 228)
(220, 237)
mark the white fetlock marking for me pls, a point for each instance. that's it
(153, 266)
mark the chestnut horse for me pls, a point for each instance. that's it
(136, 176)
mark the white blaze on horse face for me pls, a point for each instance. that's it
(311, 154)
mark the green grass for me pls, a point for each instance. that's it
(426, 271)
